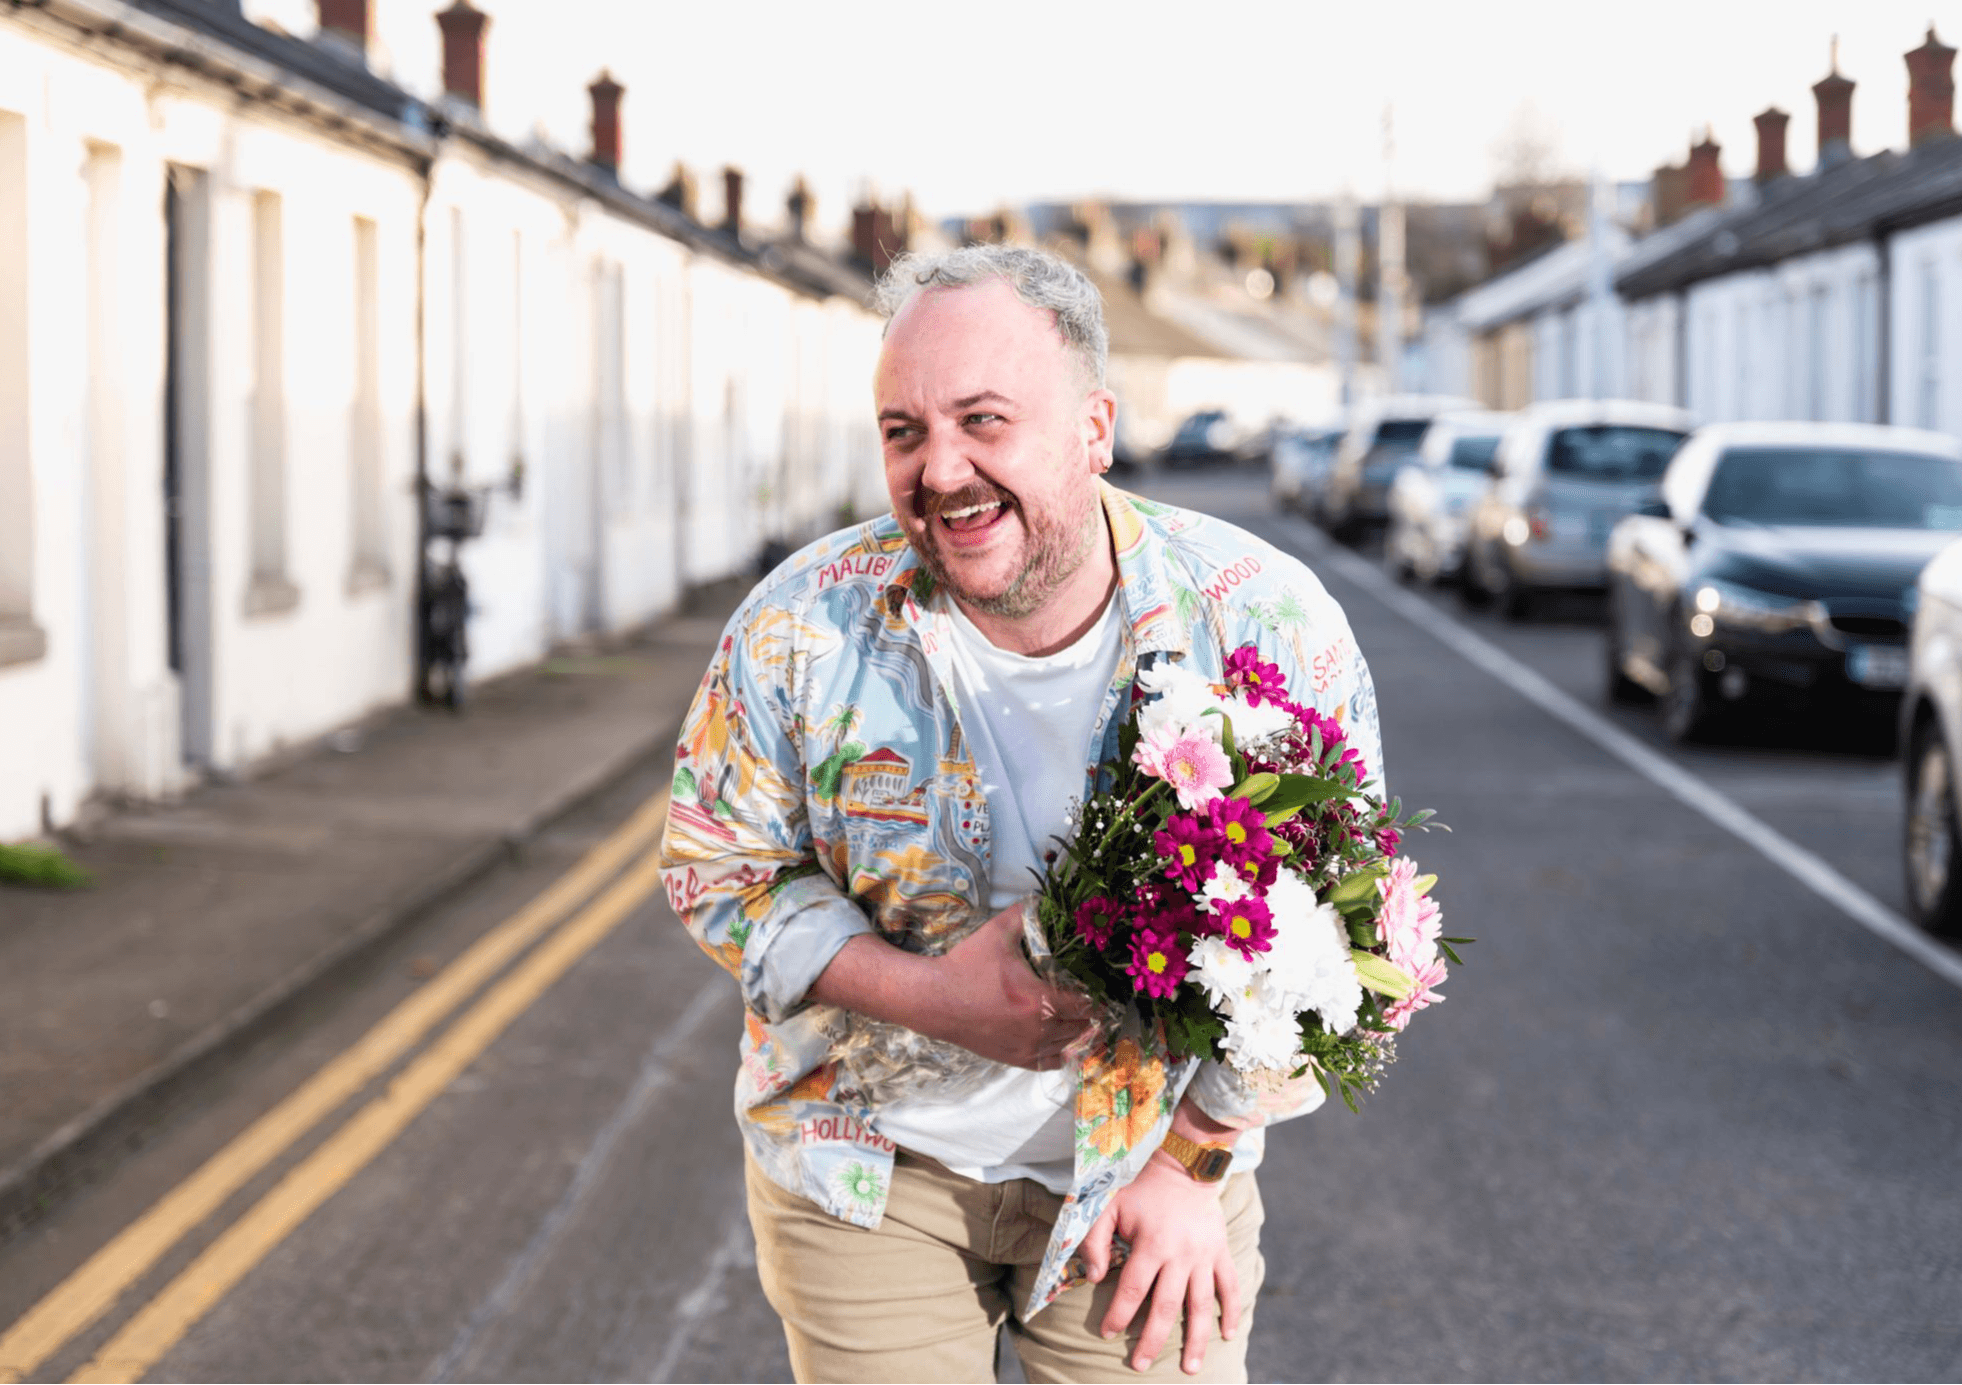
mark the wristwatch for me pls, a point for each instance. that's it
(1206, 1163)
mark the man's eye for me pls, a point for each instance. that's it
(982, 418)
(899, 431)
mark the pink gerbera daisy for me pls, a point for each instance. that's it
(1428, 978)
(1190, 761)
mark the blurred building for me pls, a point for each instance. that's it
(253, 296)
(1829, 294)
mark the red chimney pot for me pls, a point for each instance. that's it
(732, 200)
(463, 51)
(1771, 123)
(1706, 175)
(606, 94)
(1834, 94)
(346, 19)
(1931, 91)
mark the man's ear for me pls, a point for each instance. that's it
(1099, 427)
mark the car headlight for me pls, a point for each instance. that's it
(1747, 608)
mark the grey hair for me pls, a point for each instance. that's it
(1040, 279)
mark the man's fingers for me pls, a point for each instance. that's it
(1227, 1276)
(1095, 1249)
(1132, 1286)
(1167, 1298)
(1199, 1306)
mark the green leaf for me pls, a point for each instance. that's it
(1275, 819)
(1256, 788)
(40, 865)
(1450, 955)
(1381, 976)
(1362, 933)
(1356, 888)
(1299, 790)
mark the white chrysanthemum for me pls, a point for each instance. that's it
(1252, 725)
(1183, 700)
(1220, 971)
(1226, 885)
(1309, 963)
(1260, 1038)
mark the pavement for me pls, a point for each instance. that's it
(210, 919)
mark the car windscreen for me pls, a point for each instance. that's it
(1612, 452)
(1401, 432)
(1840, 487)
(1473, 454)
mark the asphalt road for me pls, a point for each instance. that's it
(1681, 1117)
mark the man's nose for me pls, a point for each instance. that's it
(945, 466)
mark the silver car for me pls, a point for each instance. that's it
(1565, 474)
(1298, 466)
(1931, 740)
(1383, 434)
(1432, 495)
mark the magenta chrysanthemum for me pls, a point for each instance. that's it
(1246, 924)
(1095, 920)
(1188, 760)
(1254, 678)
(1189, 849)
(1242, 831)
(1157, 964)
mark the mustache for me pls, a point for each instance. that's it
(932, 503)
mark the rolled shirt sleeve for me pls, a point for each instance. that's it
(737, 857)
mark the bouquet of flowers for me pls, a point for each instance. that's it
(1235, 881)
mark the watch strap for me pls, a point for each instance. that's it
(1206, 1163)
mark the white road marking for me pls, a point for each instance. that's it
(1803, 866)
(656, 1071)
(736, 1249)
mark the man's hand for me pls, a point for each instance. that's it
(1179, 1260)
(981, 994)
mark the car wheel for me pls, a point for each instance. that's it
(1932, 853)
(1471, 581)
(1623, 691)
(1515, 599)
(1688, 714)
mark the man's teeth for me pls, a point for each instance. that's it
(970, 510)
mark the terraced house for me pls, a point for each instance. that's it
(254, 297)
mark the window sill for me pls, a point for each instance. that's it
(270, 596)
(21, 641)
(367, 576)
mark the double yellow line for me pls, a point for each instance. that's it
(94, 1288)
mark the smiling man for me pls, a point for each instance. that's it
(869, 782)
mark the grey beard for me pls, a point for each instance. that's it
(1055, 555)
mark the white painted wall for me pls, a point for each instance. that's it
(1925, 326)
(667, 411)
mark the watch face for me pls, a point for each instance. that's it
(1212, 1165)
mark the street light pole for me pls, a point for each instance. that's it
(1389, 267)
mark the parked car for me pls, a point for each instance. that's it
(1204, 439)
(1383, 434)
(1565, 473)
(1779, 565)
(1432, 495)
(1298, 467)
(1931, 735)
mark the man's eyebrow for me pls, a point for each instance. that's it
(984, 397)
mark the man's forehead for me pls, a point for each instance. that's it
(969, 337)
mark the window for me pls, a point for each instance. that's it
(1815, 355)
(20, 639)
(270, 590)
(370, 546)
(1834, 487)
(1866, 372)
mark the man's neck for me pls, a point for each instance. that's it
(1065, 618)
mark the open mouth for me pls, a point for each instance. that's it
(973, 519)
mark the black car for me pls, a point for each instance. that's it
(1778, 568)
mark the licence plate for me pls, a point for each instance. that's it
(1878, 665)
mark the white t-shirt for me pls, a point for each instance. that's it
(1028, 722)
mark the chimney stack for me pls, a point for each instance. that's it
(875, 240)
(799, 204)
(1771, 123)
(1834, 94)
(346, 21)
(1668, 193)
(463, 52)
(680, 191)
(606, 94)
(1931, 91)
(1706, 175)
(732, 200)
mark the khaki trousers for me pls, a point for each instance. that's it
(922, 1297)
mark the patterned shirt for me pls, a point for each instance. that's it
(823, 789)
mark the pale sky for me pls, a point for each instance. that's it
(1023, 100)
